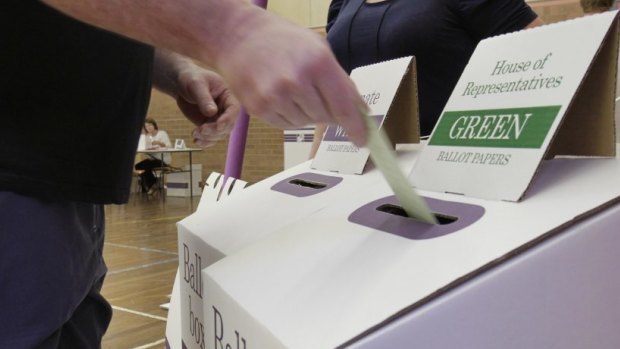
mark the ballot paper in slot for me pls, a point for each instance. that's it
(384, 158)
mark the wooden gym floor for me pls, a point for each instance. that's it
(141, 254)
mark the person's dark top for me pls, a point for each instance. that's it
(441, 34)
(72, 104)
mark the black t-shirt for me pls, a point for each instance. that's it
(441, 34)
(72, 103)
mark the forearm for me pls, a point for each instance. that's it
(167, 67)
(201, 29)
(281, 72)
(535, 23)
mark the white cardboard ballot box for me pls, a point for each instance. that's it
(314, 259)
(216, 231)
(557, 293)
(358, 274)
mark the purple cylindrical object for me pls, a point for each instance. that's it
(236, 146)
(238, 136)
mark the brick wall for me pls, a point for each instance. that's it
(552, 11)
(264, 155)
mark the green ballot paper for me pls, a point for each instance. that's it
(384, 157)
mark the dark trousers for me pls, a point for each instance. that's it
(51, 272)
(148, 177)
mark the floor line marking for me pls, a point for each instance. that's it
(147, 249)
(142, 221)
(142, 266)
(135, 312)
(150, 345)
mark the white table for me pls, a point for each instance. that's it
(189, 151)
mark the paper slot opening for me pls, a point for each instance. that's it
(442, 219)
(307, 184)
(387, 215)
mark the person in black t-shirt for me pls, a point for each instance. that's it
(441, 34)
(73, 98)
(72, 102)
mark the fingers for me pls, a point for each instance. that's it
(345, 105)
(210, 132)
(208, 135)
(311, 104)
(274, 101)
(199, 93)
(228, 110)
(208, 103)
(317, 98)
(293, 79)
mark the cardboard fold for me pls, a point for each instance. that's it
(402, 122)
(588, 129)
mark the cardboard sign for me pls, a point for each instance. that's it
(524, 97)
(390, 90)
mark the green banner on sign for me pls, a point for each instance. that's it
(495, 128)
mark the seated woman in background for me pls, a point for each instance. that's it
(154, 139)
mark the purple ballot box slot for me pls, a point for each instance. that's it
(306, 184)
(387, 215)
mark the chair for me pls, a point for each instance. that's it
(160, 175)
(136, 181)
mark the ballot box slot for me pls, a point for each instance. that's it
(442, 219)
(387, 215)
(306, 184)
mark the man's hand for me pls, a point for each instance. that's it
(287, 75)
(201, 94)
(206, 102)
